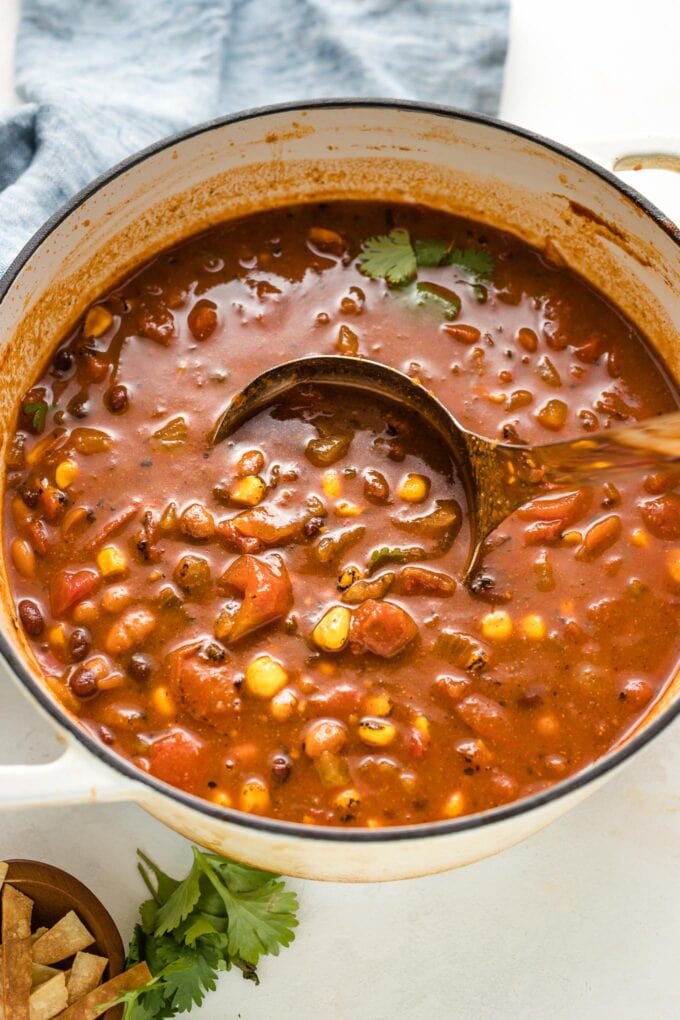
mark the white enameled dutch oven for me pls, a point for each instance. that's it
(458, 162)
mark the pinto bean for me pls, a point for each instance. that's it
(599, 537)
(130, 629)
(485, 716)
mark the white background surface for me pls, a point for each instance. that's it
(583, 921)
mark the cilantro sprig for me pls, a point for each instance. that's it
(394, 257)
(222, 915)
(36, 412)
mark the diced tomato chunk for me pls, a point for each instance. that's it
(175, 759)
(382, 628)
(207, 689)
(71, 586)
(266, 590)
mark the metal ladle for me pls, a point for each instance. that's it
(498, 477)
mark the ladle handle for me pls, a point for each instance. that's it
(654, 444)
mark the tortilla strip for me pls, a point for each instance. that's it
(4, 868)
(88, 1008)
(38, 934)
(16, 958)
(86, 973)
(49, 998)
(41, 973)
(68, 936)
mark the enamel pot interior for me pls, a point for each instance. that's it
(460, 163)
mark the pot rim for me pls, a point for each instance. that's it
(420, 830)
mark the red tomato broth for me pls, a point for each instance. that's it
(577, 640)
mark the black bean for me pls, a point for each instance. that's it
(281, 767)
(79, 644)
(140, 668)
(79, 407)
(63, 360)
(30, 495)
(31, 618)
(83, 683)
(312, 527)
(118, 399)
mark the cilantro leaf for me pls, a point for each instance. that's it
(430, 253)
(36, 411)
(180, 903)
(389, 257)
(475, 261)
(186, 986)
(222, 915)
(165, 886)
(259, 926)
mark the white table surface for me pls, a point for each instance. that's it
(582, 921)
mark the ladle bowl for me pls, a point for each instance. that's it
(498, 477)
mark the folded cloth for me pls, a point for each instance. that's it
(102, 78)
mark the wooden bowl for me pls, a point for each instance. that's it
(54, 892)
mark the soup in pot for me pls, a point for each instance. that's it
(278, 623)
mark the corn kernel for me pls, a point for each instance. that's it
(572, 538)
(673, 564)
(221, 798)
(254, 796)
(163, 701)
(347, 577)
(97, 321)
(533, 626)
(378, 704)
(454, 805)
(66, 473)
(377, 732)
(331, 483)
(248, 491)
(345, 508)
(283, 705)
(422, 724)
(497, 626)
(414, 488)
(56, 637)
(348, 800)
(332, 630)
(639, 538)
(111, 561)
(265, 677)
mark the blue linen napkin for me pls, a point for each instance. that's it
(102, 78)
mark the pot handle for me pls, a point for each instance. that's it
(76, 777)
(646, 152)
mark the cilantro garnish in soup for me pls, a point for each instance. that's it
(278, 623)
